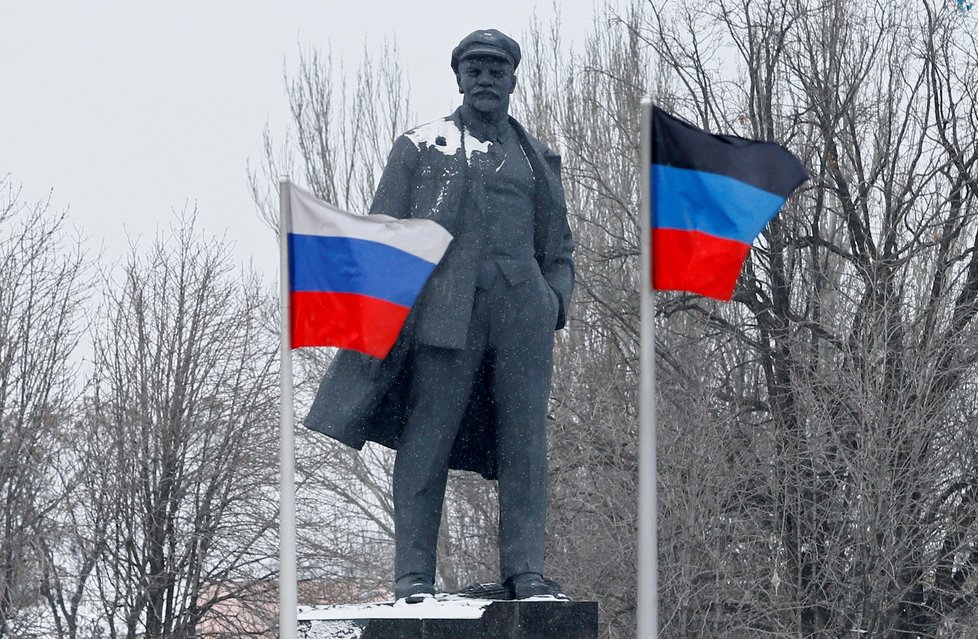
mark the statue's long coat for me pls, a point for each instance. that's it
(360, 397)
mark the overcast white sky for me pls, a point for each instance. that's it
(129, 110)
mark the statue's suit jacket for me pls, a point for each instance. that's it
(360, 397)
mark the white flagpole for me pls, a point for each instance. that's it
(287, 577)
(648, 553)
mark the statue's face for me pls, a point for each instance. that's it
(486, 84)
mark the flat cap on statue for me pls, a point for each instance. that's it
(487, 42)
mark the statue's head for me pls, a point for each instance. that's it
(485, 64)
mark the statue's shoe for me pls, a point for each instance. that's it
(414, 588)
(531, 585)
(492, 590)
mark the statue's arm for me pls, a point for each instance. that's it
(394, 191)
(559, 273)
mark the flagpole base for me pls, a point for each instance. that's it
(470, 618)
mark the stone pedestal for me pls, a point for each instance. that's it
(453, 619)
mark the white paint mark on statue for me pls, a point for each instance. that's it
(444, 137)
(441, 196)
(472, 145)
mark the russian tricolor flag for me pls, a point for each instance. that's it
(354, 278)
(712, 195)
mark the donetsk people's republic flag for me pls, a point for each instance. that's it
(353, 278)
(712, 195)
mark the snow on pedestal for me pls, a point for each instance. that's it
(452, 617)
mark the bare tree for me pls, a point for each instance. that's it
(340, 131)
(42, 286)
(838, 378)
(176, 510)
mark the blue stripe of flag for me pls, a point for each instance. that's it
(690, 200)
(349, 265)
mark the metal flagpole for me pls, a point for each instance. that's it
(287, 578)
(648, 553)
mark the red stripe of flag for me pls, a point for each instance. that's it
(696, 262)
(346, 320)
